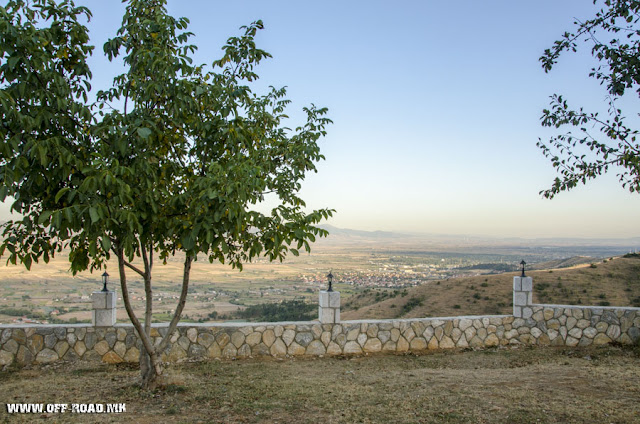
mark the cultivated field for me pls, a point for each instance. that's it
(525, 385)
(213, 287)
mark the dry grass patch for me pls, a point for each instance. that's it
(516, 386)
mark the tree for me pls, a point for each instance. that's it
(173, 158)
(602, 142)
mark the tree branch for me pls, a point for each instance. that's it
(183, 298)
(134, 268)
(144, 337)
(148, 293)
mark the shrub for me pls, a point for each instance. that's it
(290, 310)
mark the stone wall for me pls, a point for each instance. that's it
(530, 324)
(556, 325)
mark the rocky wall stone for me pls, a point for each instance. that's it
(556, 325)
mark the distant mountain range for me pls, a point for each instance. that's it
(344, 234)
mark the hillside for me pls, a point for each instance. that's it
(613, 282)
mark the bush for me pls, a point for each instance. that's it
(290, 310)
(412, 303)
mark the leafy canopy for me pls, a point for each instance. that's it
(601, 142)
(174, 156)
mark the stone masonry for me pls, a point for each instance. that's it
(104, 308)
(329, 308)
(548, 325)
(522, 297)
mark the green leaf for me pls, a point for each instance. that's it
(106, 243)
(13, 61)
(44, 217)
(188, 242)
(27, 262)
(61, 193)
(93, 213)
(144, 132)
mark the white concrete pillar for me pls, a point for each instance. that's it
(104, 308)
(329, 310)
(522, 297)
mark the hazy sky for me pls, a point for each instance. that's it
(436, 108)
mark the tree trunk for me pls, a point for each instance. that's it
(150, 364)
(148, 361)
(147, 376)
(150, 370)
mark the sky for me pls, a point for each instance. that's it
(436, 109)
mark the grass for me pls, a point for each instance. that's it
(505, 385)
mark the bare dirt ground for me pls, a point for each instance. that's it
(525, 385)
